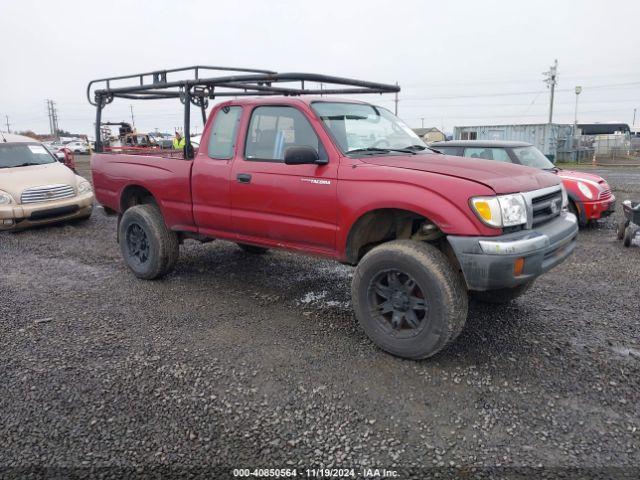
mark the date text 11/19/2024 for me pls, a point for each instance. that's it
(315, 472)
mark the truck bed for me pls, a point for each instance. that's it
(165, 175)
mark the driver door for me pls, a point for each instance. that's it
(278, 204)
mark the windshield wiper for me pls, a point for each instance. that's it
(380, 150)
(423, 147)
(27, 164)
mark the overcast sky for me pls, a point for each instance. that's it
(469, 62)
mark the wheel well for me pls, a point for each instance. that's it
(383, 225)
(135, 195)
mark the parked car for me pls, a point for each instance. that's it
(348, 181)
(590, 197)
(63, 155)
(36, 189)
(77, 146)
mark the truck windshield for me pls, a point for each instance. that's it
(532, 157)
(365, 128)
(23, 154)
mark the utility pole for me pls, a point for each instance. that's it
(8, 124)
(578, 89)
(395, 100)
(49, 115)
(54, 114)
(634, 116)
(133, 121)
(422, 121)
(53, 117)
(551, 80)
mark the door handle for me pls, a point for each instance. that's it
(244, 178)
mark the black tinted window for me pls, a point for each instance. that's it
(273, 129)
(223, 133)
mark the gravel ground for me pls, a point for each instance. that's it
(243, 361)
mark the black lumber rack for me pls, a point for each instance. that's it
(193, 85)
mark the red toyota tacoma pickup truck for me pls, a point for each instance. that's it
(349, 181)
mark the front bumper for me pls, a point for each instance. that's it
(16, 217)
(489, 263)
(597, 209)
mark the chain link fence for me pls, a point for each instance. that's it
(618, 149)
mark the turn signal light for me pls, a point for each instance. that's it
(518, 266)
(484, 210)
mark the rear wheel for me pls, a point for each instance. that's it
(409, 299)
(501, 295)
(253, 249)
(148, 247)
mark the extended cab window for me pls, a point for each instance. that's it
(448, 150)
(273, 129)
(499, 154)
(223, 133)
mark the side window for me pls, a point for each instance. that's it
(273, 129)
(223, 133)
(448, 150)
(498, 154)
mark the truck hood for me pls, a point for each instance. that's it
(500, 177)
(15, 180)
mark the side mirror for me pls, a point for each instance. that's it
(302, 155)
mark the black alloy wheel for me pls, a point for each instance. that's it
(398, 302)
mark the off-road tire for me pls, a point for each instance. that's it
(443, 289)
(628, 236)
(253, 249)
(501, 295)
(162, 243)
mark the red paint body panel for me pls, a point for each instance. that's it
(307, 208)
(589, 208)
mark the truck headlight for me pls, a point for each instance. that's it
(586, 191)
(5, 198)
(565, 197)
(501, 211)
(84, 187)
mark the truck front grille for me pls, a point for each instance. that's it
(546, 207)
(46, 193)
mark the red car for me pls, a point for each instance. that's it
(345, 180)
(590, 196)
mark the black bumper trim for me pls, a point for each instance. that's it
(490, 271)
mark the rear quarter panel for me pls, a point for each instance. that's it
(168, 180)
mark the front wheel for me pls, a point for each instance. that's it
(501, 295)
(573, 208)
(148, 247)
(409, 299)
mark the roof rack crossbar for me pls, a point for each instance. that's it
(192, 88)
(259, 81)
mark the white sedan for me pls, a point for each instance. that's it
(77, 147)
